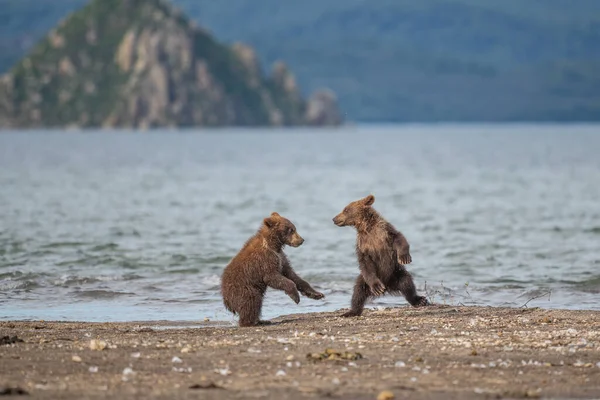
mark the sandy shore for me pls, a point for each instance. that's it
(439, 352)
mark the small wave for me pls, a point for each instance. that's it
(503, 282)
(186, 301)
(184, 271)
(497, 287)
(222, 206)
(208, 260)
(131, 263)
(13, 264)
(21, 276)
(532, 293)
(590, 285)
(119, 232)
(432, 228)
(11, 275)
(88, 261)
(76, 280)
(332, 287)
(10, 285)
(211, 281)
(56, 245)
(459, 253)
(101, 294)
(178, 258)
(152, 288)
(12, 250)
(595, 230)
(104, 247)
(217, 259)
(131, 277)
(333, 246)
(40, 253)
(104, 260)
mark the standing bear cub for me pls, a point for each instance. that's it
(261, 263)
(381, 251)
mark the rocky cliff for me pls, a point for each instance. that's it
(142, 64)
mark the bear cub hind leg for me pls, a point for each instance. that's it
(403, 283)
(361, 294)
(249, 311)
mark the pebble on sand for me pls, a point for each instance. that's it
(385, 395)
(98, 345)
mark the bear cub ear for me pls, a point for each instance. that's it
(272, 220)
(369, 200)
(269, 222)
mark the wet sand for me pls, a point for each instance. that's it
(438, 352)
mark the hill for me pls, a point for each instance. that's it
(432, 60)
(141, 63)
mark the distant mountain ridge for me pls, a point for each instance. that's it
(401, 60)
(142, 64)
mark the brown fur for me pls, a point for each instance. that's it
(261, 263)
(381, 252)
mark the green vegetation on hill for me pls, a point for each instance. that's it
(429, 60)
(141, 63)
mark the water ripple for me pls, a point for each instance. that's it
(141, 226)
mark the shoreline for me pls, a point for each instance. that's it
(207, 322)
(224, 318)
(436, 352)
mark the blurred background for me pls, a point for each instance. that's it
(473, 122)
(397, 60)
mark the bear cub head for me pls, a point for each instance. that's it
(355, 212)
(283, 230)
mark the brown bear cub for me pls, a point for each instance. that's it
(381, 251)
(261, 263)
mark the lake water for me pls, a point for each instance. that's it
(101, 226)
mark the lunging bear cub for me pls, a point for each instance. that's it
(382, 252)
(261, 263)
